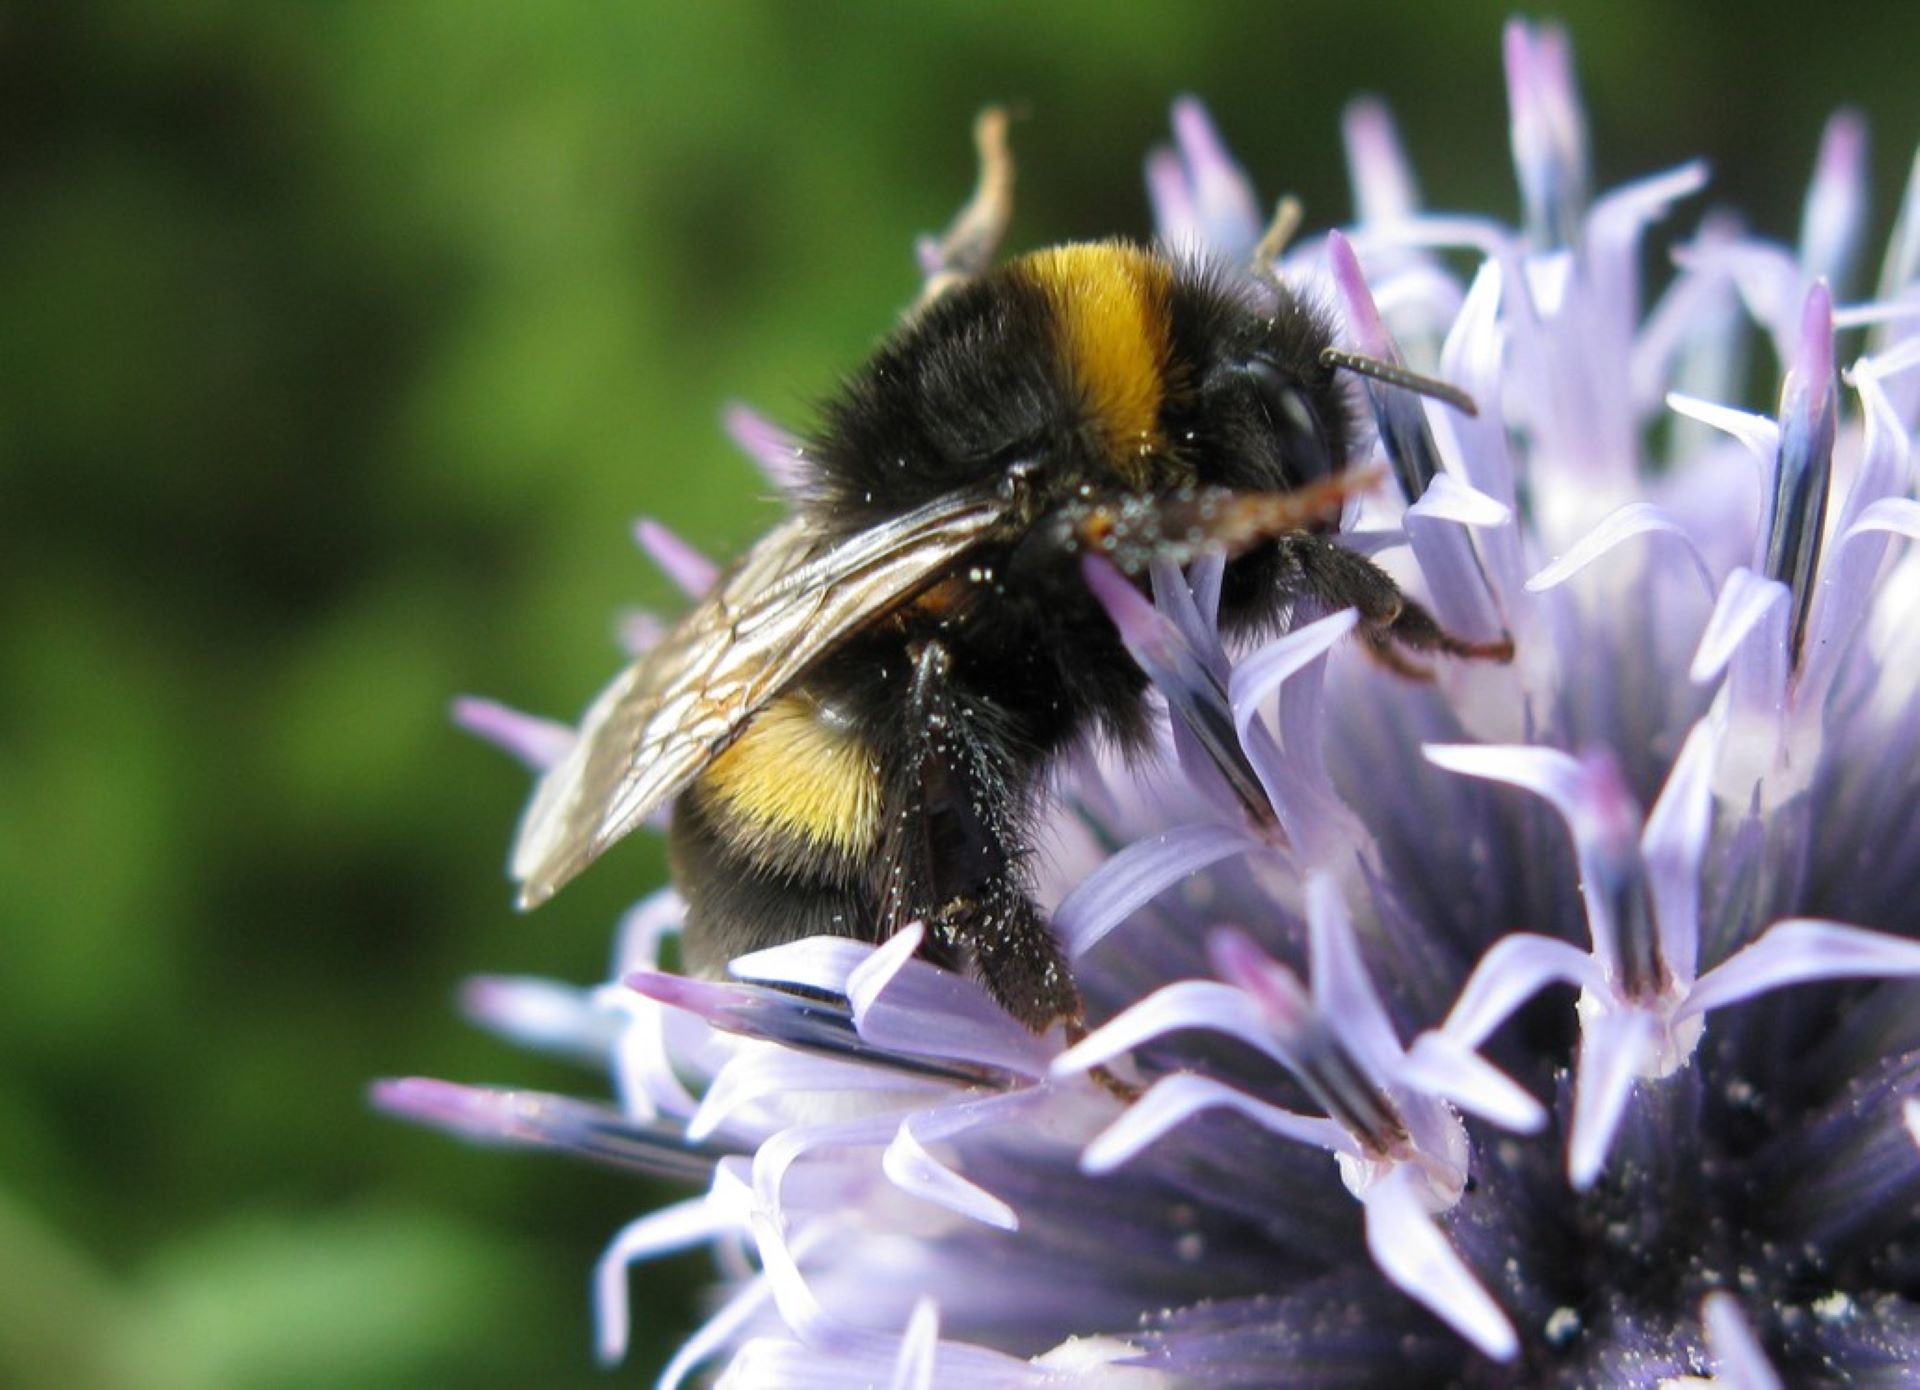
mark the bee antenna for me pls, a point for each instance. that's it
(1396, 375)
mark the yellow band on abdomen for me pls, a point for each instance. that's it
(796, 781)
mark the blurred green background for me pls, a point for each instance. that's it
(341, 343)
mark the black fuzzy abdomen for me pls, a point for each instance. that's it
(736, 905)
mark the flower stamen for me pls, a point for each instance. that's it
(1312, 1048)
(1804, 464)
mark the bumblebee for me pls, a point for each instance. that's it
(855, 724)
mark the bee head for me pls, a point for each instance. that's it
(1272, 423)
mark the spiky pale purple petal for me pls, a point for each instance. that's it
(1201, 198)
(1739, 1362)
(1411, 1251)
(1384, 189)
(1138, 874)
(1798, 952)
(539, 743)
(678, 1227)
(1172, 1102)
(1631, 520)
(1834, 215)
(1614, 1050)
(544, 1016)
(1185, 1004)
(1321, 829)
(1549, 132)
(691, 572)
(780, 456)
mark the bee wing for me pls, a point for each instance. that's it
(788, 600)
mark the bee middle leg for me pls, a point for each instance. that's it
(952, 855)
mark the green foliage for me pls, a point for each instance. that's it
(340, 344)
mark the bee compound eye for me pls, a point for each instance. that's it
(1299, 431)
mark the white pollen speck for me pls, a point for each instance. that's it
(1190, 1247)
(1562, 1326)
(1835, 1307)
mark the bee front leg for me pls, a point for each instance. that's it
(1391, 623)
(953, 852)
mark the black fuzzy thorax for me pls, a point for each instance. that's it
(977, 383)
(965, 389)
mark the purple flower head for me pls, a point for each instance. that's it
(1549, 1022)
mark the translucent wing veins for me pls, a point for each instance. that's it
(788, 601)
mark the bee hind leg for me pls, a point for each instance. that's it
(953, 851)
(973, 238)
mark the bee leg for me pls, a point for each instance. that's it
(952, 855)
(973, 238)
(1287, 215)
(1392, 623)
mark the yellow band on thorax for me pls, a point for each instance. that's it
(1110, 311)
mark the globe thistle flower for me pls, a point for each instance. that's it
(1538, 1023)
